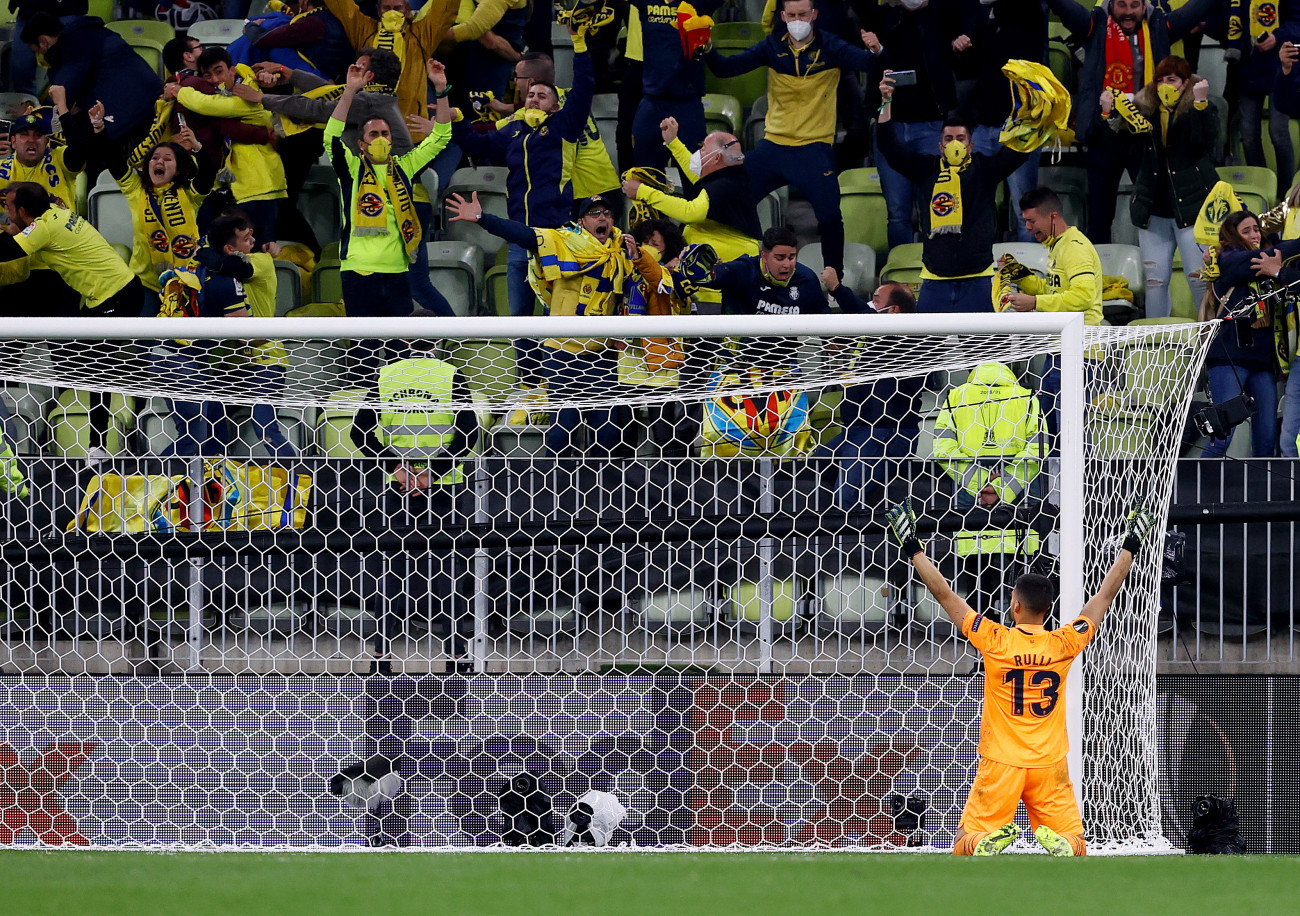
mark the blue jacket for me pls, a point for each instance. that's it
(666, 72)
(1237, 281)
(93, 64)
(746, 290)
(536, 192)
(891, 403)
(1258, 69)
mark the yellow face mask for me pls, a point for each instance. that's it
(379, 148)
(393, 20)
(1169, 95)
(955, 152)
(534, 117)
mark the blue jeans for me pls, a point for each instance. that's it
(1019, 182)
(269, 381)
(372, 296)
(810, 169)
(422, 289)
(523, 302)
(868, 457)
(200, 425)
(648, 143)
(1250, 108)
(974, 294)
(22, 62)
(1291, 413)
(901, 196)
(583, 374)
(1228, 382)
(263, 214)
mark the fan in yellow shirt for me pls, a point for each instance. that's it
(1023, 739)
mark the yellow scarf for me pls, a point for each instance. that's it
(171, 225)
(390, 34)
(945, 199)
(291, 126)
(1221, 201)
(1263, 19)
(1291, 225)
(159, 131)
(371, 202)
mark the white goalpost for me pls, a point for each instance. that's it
(629, 556)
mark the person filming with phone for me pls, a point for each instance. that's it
(958, 221)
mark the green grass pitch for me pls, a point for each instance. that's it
(35, 883)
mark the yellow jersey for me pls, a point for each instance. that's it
(70, 245)
(1024, 687)
(1074, 279)
(51, 172)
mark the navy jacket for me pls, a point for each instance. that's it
(890, 403)
(667, 73)
(94, 64)
(1237, 281)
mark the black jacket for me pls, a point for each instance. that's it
(1006, 30)
(971, 250)
(1176, 173)
(1088, 24)
(920, 40)
(94, 63)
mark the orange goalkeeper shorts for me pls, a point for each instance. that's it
(1046, 791)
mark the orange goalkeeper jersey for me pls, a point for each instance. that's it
(1024, 688)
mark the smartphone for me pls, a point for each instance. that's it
(5, 128)
(903, 78)
(180, 120)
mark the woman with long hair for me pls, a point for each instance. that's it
(1240, 362)
(1284, 219)
(164, 185)
(1179, 131)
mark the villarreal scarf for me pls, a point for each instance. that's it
(389, 37)
(171, 226)
(372, 200)
(1119, 58)
(1261, 17)
(945, 199)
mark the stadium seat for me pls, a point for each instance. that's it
(1122, 230)
(147, 29)
(866, 217)
(288, 288)
(1255, 185)
(853, 601)
(859, 266)
(28, 405)
(498, 294)
(675, 608)
(151, 52)
(744, 604)
(456, 269)
(737, 34)
(122, 251)
(722, 112)
(562, 54)
(1030, 254)
(1123, 261)
(321, 204)
(771, 209)
(327, 282)
(1070, 182)
(14, 103)
(604, 110)
(334, 428)
(216, 33)
(731, 38)
(904, 266)
(1266, 139)
(490, 184)
(1185, 308)
(108, 211)
(101, 8)
(865, 180)
(755, 124)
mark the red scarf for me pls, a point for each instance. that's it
(1119, 58)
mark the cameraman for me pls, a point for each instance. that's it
(1247, 359)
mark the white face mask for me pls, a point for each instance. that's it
(696, 165)
(916, 4)
(799, 29)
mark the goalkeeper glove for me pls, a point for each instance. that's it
(902, 521)
(1141, 522)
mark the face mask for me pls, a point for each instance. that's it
(393, 20)
(696, 165)
(915, 4)
(534, 117)
(379, 148)
(799, 29)
(1168, 95)
(954, 152)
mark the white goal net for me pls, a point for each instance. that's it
(409, 582)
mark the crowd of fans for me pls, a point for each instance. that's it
(212, 154)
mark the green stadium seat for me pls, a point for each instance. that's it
(737, 34)
(722, 112)
(143, 29)
(327, 280)
(1270, 155)
(1030, 254)
(1123, 261)
(747, 88)
(288, 287)
(682, 608)
(866, 218)
(853, 601)
(498, 294)
(490, 184)
(216, 33)
(456, 269)
(1256, 181)
(771, 209)
(745, 602)
(904, 266)
(108, 211)
(755, 124)
(321, 204)
(151, 52)
(101, 8)
(488, 367)
(334, 428)
(604, 110)
(28, 405)
(859, 265)
(863, 181)
(122, 251)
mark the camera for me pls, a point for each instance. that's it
(1217, 420)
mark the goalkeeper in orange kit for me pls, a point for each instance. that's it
(1023, 741)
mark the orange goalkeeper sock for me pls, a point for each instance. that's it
(966, 845)
(1076, 843)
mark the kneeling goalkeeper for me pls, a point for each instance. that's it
(1023, 740)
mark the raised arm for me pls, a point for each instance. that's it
(902, 521)
(357, 77)
(751, 58)
(1141, 522)
(1075, 16)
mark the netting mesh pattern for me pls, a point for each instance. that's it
(713, 630)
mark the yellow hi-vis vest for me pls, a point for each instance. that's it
(11, 475)
(991, 427)
(425, 429)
